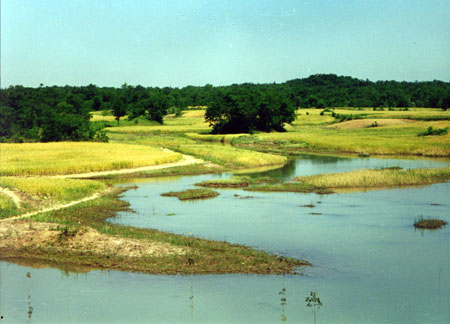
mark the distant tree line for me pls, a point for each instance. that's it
(55, 113)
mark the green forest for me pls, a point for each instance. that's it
(57, 113)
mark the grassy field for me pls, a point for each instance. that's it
(358, 180)
(231, 156)
(77, 157)
(379, 140)
(191, 121)
(61, 190)
(386, 132)
(378, 178)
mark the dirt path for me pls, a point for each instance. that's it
(55, 207)
(186, 160)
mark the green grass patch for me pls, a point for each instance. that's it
(289, 187)
(192, 194)
(432, 132)
(62, 190)
(7, 206)
(234, 182)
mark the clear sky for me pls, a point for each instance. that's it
(194, 42)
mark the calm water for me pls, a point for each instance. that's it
(370, 265)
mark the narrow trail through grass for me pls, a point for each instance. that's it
(186, 160)
(57, 207)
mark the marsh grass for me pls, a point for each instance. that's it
(192, 194)
(233, 157)
(235, 182)
(62, 190)
(357, 180)
(191, 169)
(203, 256)
(429, 223)
(391, 177)
(290, 187)
(77, 157)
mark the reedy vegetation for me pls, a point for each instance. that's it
(61, 190)
(76, 157)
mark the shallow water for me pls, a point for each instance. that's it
(370, 264)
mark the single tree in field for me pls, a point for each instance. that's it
(119, 109)
(245, 109)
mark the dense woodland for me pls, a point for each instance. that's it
(54, 113)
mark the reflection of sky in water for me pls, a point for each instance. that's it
(371, 266)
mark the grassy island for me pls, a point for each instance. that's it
(192, 194)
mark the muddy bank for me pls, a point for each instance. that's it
(79, 236)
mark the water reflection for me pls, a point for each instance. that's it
(310, 164)
(30, 308)
(283, 302)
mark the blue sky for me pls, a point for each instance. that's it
(189, 42)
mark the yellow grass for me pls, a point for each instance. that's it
(6, 203)
(394, 134)
(378, 178)
(191, 121)
(214, 138)
(159, 140)
(228, 155)
(394, 139)
(57, 189)
(98, 116)
(77, 157)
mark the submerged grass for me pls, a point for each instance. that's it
(192, 194)
(80, 157)
(431, 223)
(200, 257)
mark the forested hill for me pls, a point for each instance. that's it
(50, 113)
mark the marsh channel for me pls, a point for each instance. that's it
(369, 263)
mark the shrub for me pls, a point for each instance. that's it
(431, 132)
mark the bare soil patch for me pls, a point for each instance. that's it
(20, 234)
